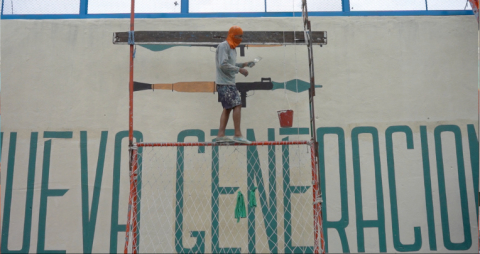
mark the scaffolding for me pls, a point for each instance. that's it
(307, 37)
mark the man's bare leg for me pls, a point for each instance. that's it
(237, 115)
(223, 122)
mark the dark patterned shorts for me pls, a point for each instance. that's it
(229, 96)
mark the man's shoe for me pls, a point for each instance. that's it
(223, 139)
(241, 140)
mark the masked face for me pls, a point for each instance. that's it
(234, 37)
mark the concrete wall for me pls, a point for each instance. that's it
(63, 79)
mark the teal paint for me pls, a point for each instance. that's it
(57, 134)
(179, 189)
(361, 222)
(473, 140)
(218, 190)
(294, 85)
(252, 155)
(30, 188)
(8, 196)
(432, 237)
(467, 243)
(397, 244)
(269, 209)
(89, 217)
(294, 131)
(1, 145)
(115, 227)
(341, 224)
(46, 192)
(272, 197)
(288, 190)
(27, 226)
(473, 144)
(156, 48)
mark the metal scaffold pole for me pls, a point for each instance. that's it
(132, 226)
(318, 200)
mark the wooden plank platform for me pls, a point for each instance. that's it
(213, 38)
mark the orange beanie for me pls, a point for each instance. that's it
(232, 41)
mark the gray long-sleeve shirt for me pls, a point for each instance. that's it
(225, 59)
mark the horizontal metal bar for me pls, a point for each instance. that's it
(237, 14)
(255, 143)
(213, 38)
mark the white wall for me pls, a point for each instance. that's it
(66, 76)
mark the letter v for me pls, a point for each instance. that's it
(89, 217)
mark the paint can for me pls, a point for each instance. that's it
(285, 117)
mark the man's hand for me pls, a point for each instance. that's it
(244, 72)
(249, 64)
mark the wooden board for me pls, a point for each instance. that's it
(213, 38)
(192, 87)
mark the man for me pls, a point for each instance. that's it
(227, 67)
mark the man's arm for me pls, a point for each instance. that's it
(243, 65)
(243, 71)
(226, 67)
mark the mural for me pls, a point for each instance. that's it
(396, 120)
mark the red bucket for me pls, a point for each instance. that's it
(285, 117)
